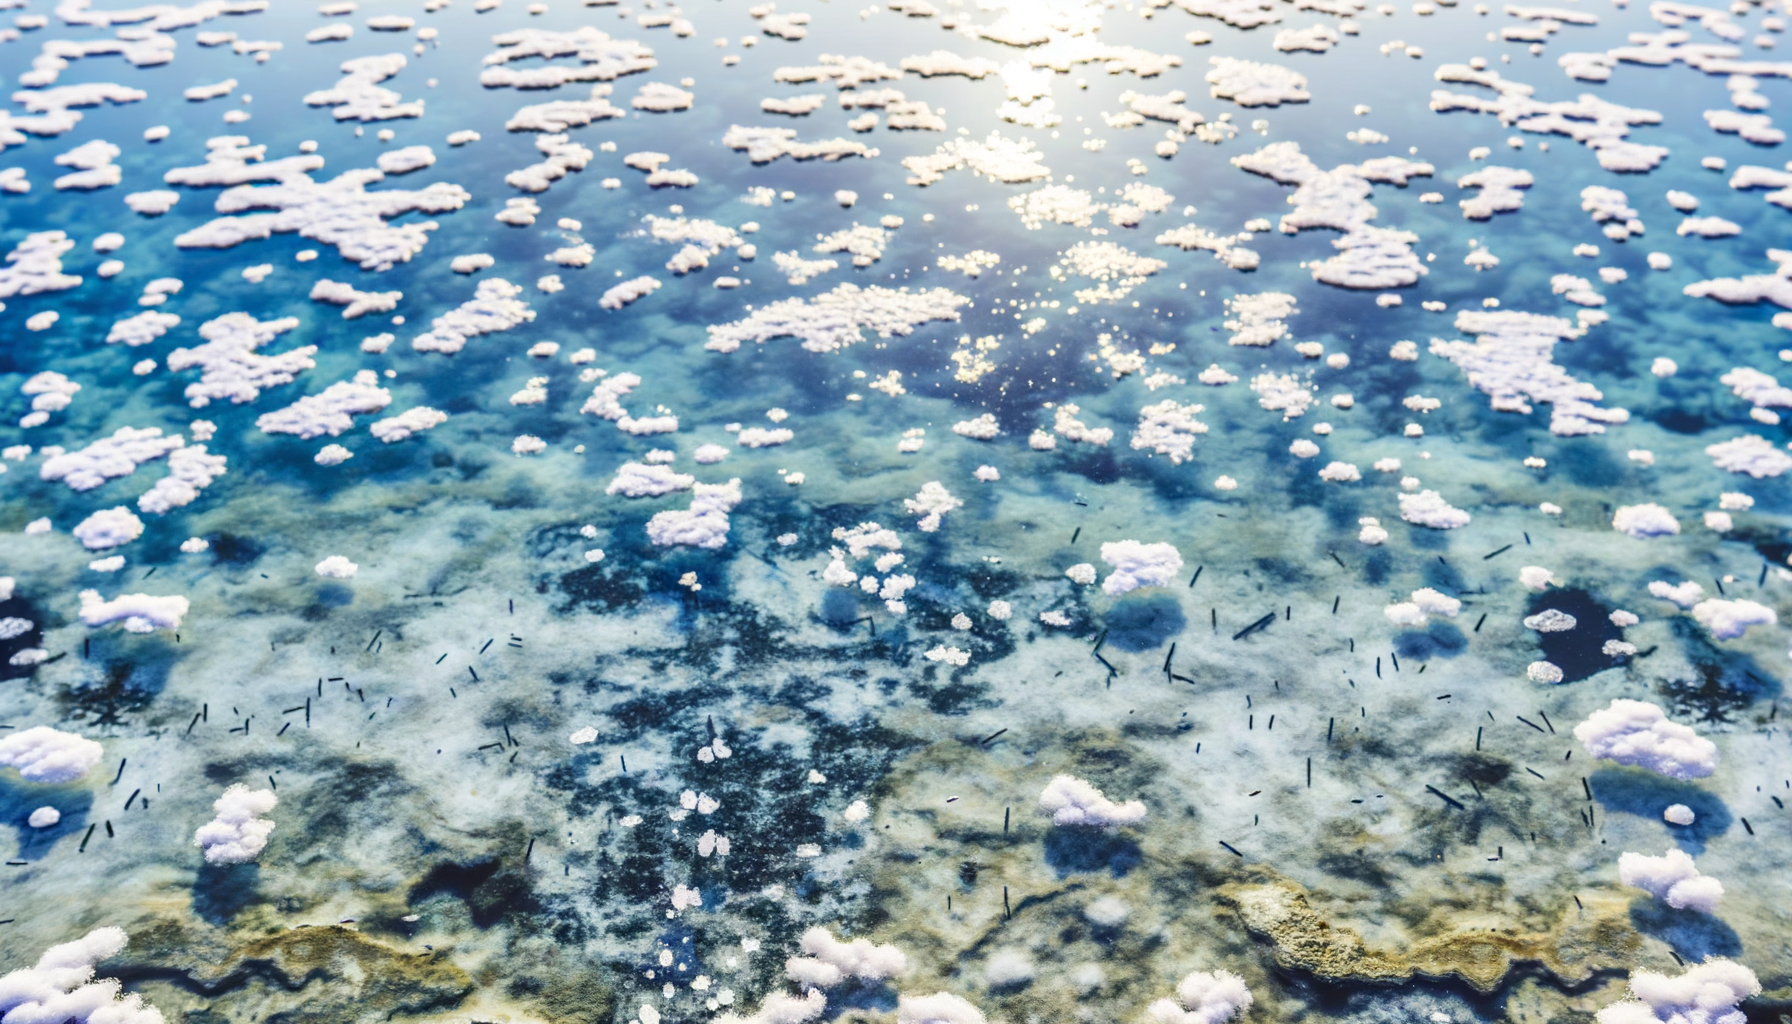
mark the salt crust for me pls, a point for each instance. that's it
(764, 437)
(602, 59)
(704, 524)
(340, 212)
(1638, 733)
(231, 160)
(109, 457)
(94, 166)
(562, 155)
(1283, 393)
(634, 480)
(1072, 801)
(1010, 161)
(1203, 998)
(836, 319)
(493, 308)
(1258, 320)
(628, 291)
(331, 411)
(231, 368)
(699, 240)
(556, 116)
(1598, 124)
(930, 503)
(407, 424)
(61, 984)
(1254, 84)
(141, 329)
(358, 96)
(35, 266)
(406, 160)
(1645, 521)
(1168, 428)
(1428, 508)
(1369, 257)
(43, 754)
(1775, 288)
(190, 470)
(1138, 565)
(941, 1007)
(763, 145)
(238, 833)
(1751, 454)
(355, 303)
(139, 613)
(844, 72)
(1709, 992)
(1728, 620)
(983, 428)
(1510, 360)
(1499, 191)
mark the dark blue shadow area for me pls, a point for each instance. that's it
(1071, 850)
(1440, 639)
(1689, 933)
(221, 891)
(19, 798)
(1645, 794)
(1578, 652)
(1144, 622)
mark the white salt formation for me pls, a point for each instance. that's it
(1203, 998)
(43, 754)
(1138, 565)
(61, 986)
(1638, 733)
(1672, 879)
(1707, 993)
(139, 613)
(1511, 360)
(836, 319)
(238, 833)
(494, 308)
(1072, 801)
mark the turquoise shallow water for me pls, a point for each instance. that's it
(512, 779)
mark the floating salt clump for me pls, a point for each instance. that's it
(1303, 448)
(835, 319)
(35, 266)
(1072, 801)
(337, 567)
(238, 833)
(1674, 879)
(1638, 733)
(108, 528)
(1535, 577)
(61, 981)
(1372, 532)
(983, 428)
(1751, 454)
(1137, 565)
(939, 1008)
(1499, 191)
(1685, 594)
(43, 754)
(1678, 814)
(1511, 362)
(1543, 672)
(1203, 998)
(1428, 508)
(930, 504)
(949, 655)
(1709, 991)
(1082, 573)
(44, 817)
(1728, 620)
(1550, 620)
(1645, 521)
(407, 424)
(332, 455)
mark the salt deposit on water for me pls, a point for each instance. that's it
(823, 615)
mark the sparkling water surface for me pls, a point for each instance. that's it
(526, 763)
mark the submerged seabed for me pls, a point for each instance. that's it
(1364, 821)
